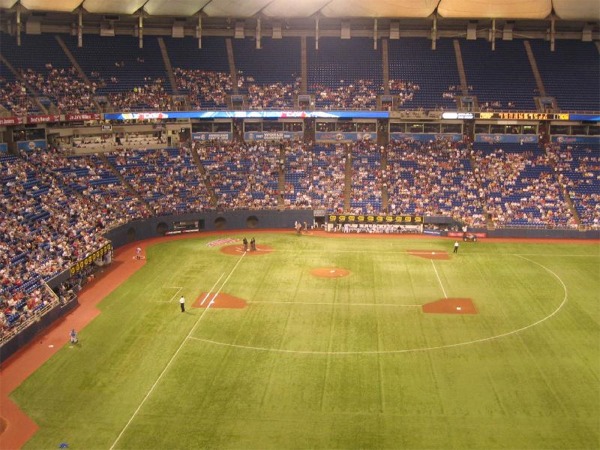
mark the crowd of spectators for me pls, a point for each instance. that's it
(243, 176)
(150, 96)
(358, 94)
(578, 170)
(298, 174)
(270, 96)
(63, 86)
(522, 189)
(433, 178)
(44, 230)
(366, 178)
(404, 90)
(167, 179)
(328, 177)
(15, 99)
(205, 89)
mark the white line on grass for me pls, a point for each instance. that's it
(438, 277)
(179, 288)
(177, 351)
(335, 304)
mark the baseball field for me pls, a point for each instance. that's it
(315, 341)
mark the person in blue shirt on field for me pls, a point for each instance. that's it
(73, 336)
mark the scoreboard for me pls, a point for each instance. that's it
(532, 115)
(374, 219)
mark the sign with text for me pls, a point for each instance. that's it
(374, 219)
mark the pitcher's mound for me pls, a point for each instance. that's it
(220, 301)
(238, 249)
(429, 254)
(450, 306)
(330, 272)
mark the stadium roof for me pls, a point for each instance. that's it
(586, 10)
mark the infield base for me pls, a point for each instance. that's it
(429, 254)
(450, 306)
(330, 272)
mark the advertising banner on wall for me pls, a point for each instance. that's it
(425, 137)
(576, 139)
(3, 147)
(507, 138)
(43, 118)
(328, 136)
(271, 135)
(269, 114)
(216, 136)
(10, 120)
(29, 146)
(82, 117)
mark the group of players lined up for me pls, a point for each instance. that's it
(249, 246)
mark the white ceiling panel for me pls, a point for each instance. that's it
(48, 5)
(380, 8)
(510, 9)
(235, 8)
(299, 8)
(577, 10)
(466, 9)
(113, 6)
(174, 8)
(7, 3)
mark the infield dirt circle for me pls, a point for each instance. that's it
(330, 272)
(238, 250)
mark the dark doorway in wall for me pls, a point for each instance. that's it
(162, 228)
(252, 222)
(220, 223)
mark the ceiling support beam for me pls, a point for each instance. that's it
(18, 19)
(375, 32)
(141, 30)
(434, 33)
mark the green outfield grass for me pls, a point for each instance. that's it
(349, 362)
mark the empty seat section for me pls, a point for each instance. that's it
(501, 79)
(570, 73)
(421, 76)
(344, 73)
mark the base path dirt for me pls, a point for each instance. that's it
(220, 300)
(330, 272)
(429, 254)
(451, 306)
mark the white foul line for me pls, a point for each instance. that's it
(438, 277)
(176, 352)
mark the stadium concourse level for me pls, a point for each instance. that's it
(49, 73)
(56, 207)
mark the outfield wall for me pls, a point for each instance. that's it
(256, 220)
(209, 221)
